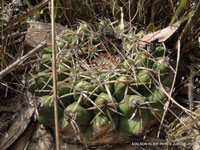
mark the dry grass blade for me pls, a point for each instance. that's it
(176, 130)
(169, 97)
(177, 104)
(166, 106)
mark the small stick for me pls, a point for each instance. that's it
(54, 70)
(166, 106)
(21, 60)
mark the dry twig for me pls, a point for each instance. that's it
(21, 60)
(54, 70)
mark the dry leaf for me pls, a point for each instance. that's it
(17, 128)
(22, 142)
(160, 35)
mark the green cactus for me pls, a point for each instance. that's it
(77, 115)
(83, 88)
(136, 126)
(105, 102)
(124, 106)
(102, 124)
(106, 83)
(46, 112)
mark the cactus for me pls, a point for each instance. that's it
(108, 104)
(135, 126)
(102, 124)
(77, 116)
(125, 107)
(46, 112)
(105, 82)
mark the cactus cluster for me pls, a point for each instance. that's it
(107, 84)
